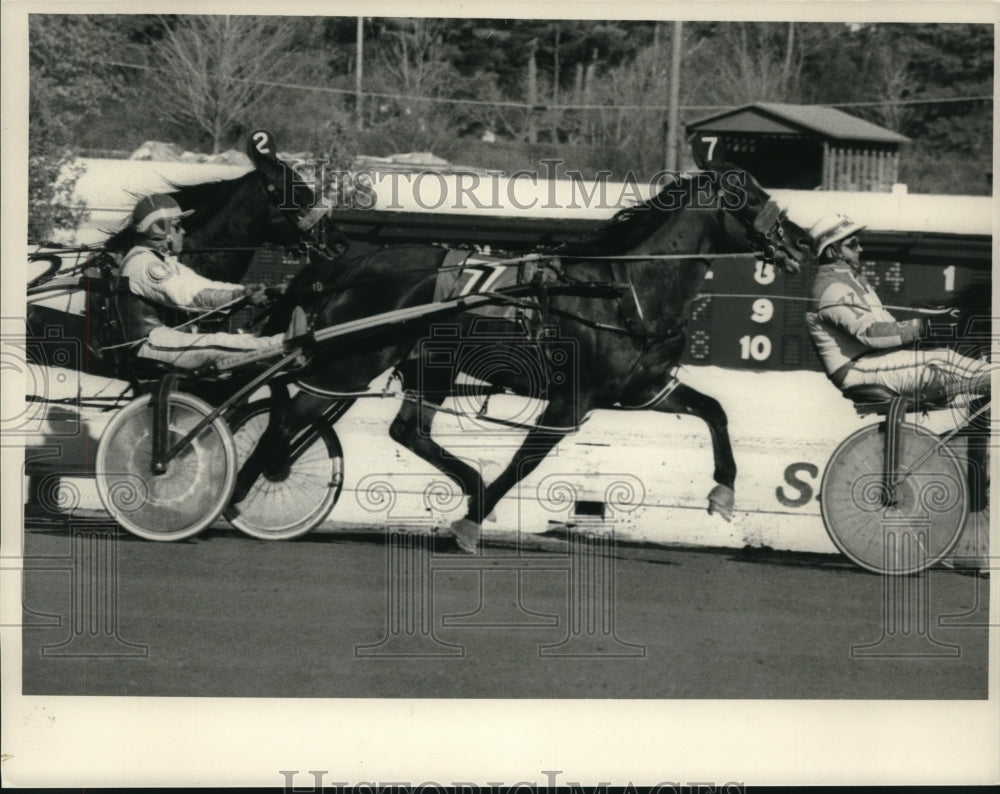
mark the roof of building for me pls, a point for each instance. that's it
(783, 118)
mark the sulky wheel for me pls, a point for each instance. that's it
(905, 533)
(280, 509)
(196, 485)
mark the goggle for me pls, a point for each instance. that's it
(851, 242)
(170, 225)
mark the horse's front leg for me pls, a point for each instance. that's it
(682, 399)
(271, 457)
(256, 462)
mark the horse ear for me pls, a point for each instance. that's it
(751, 181)
(261, 147)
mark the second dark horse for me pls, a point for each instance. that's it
(616, 300)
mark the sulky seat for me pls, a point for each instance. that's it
(873, 399)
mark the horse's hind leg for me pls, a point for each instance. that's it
(683, 399)
(554, 424)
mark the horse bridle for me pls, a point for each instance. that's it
(769, 230)
(765, 228)
(303, 222)
(304, 225)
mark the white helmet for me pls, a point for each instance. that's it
(832, 229)
(151, 212)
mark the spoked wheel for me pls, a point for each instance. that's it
(899, 533)
(280, 509)
(194, 489)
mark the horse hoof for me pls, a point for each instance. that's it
(721, 500)
(466, 534)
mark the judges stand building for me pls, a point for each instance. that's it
(806, 147)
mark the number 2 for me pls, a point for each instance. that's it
(262, 142)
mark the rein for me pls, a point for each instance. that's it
(319, 290)
(648, 257)
(602, 290)
(801, 299)
(410, 396)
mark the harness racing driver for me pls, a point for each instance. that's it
(163, 293)
(861, 344)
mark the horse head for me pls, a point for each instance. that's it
(767, 225)
(298, 204)
(271, 205)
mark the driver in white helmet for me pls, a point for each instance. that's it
(860, 343)
(164, 293)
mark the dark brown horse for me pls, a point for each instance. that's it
(611, 302)
(231, 219)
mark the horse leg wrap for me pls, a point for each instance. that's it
(721, 500)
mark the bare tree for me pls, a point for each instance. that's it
(894, 82)
(416, 46)
(414, 65)
(212, 71)
(892, 79)
(414, 59)
(634, 132)
(751, 62)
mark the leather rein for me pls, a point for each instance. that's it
(763, 228)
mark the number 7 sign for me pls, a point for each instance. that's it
(708, 150)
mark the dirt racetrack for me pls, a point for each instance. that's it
(226, 616)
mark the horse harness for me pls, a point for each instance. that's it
(300, 223)
(542, 277)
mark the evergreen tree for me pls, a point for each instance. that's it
(66, 82)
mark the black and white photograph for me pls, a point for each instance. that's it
(499, 395)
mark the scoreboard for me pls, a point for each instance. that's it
(751, 315)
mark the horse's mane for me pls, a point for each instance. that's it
(205, 198)
(627, 228)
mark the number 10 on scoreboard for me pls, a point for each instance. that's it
(758, 347)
